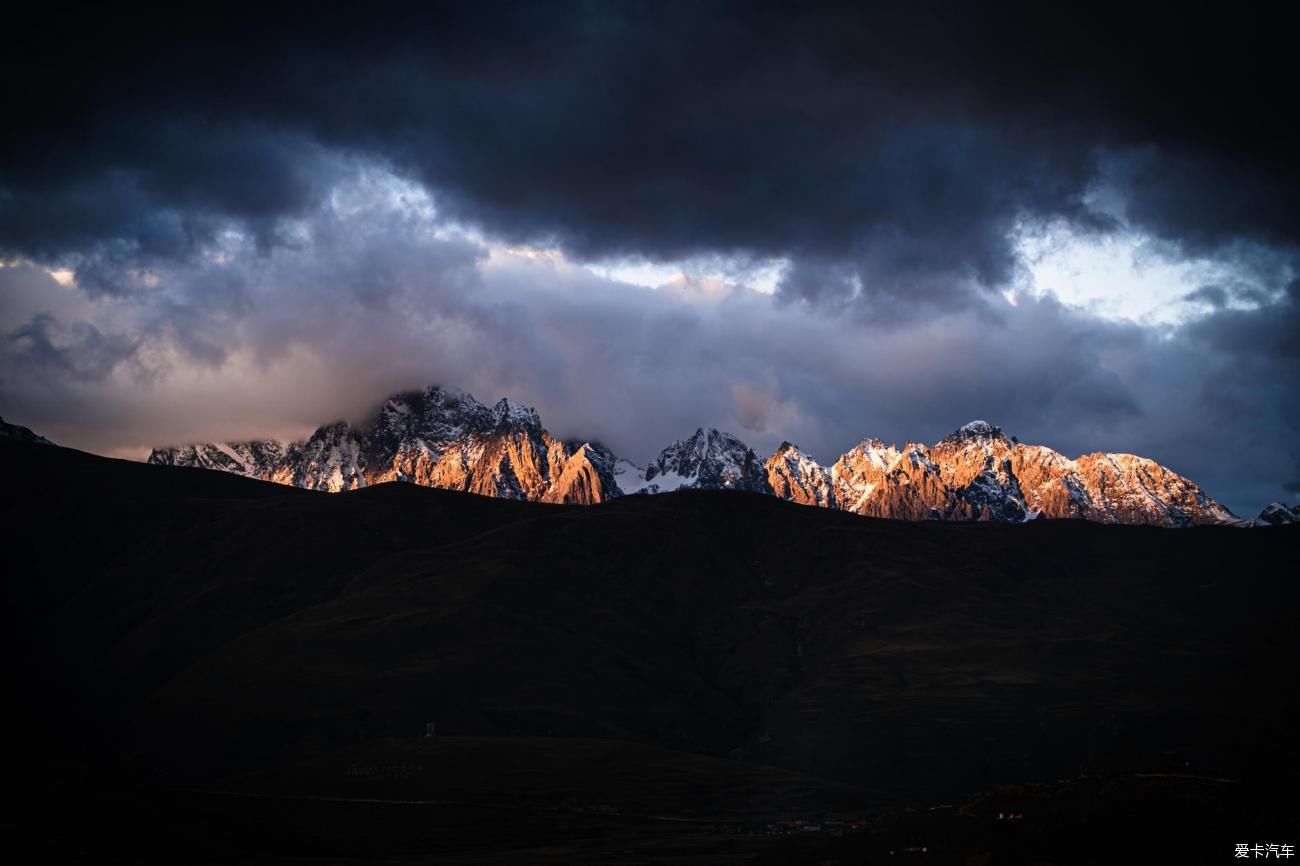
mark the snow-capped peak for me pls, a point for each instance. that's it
(977, 429)
(796, 476)
(796, 457)
(876, 453)
(709, 459)
(1278, 514)
(630, 478)
(508, 413)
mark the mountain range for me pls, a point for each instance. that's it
(444, 438)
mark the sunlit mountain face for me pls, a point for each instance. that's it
(445, 438)
(779, 252)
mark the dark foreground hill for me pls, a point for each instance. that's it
(207, 667)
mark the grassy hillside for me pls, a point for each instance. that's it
(183, 628)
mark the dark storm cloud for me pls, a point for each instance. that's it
(79, 351)
(1271, 330)
(1212, 296)
(1206, 203)
(906, 141)
(163, 191)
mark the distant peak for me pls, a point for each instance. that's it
(975, 430)
(510, 413)
(720, 438)
(435, 396)
(592, 446)
(1278, 514)
(794, 454)
(432, 392)
(978, 428)
(332, 430)
(18, 433)
(705, 435)
(449, 394)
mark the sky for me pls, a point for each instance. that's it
(806, 222)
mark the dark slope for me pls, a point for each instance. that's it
(137, 570)
(193, 626)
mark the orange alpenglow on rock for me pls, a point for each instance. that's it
(445, 438)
